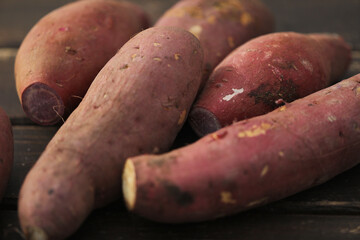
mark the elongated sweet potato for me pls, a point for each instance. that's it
(220, 25)
(137, 104)
(63, 52)
(252, 162)
(266, 71)
(6, 151)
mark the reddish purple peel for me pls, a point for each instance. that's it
(203, 121)
(42, 104)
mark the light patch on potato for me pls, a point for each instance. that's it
(307, 65)
(257, 202)
(332, 118)
(281, 154)
(196, 30)
(232, 95)
(134, 56)
(211, 19)
(358, 91)
(231, 42)
(246, 19)
(227, 198)
(229, 5)
(264, 171)
(255, 131)
(157, 59)
(157, 44)
(177, 56)
(282, 109)
(192, 11)
(182, 117)
(267, 55)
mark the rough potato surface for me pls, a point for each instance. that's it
(137, 104)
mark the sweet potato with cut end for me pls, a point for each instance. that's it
(220, 25)
(137, 104)
(63, 52)
(6, 151)
(265, 72)
(252, 162)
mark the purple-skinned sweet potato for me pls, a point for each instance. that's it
(265, 72)
(6, 151)
(220, 25)
(137, 104)
(63, 52)
(252, 162)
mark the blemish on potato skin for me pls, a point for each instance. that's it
(230, 41)
(157, 44)
(227, 198)
(182, 198)
(177, 56)
(264, 171)
(157, 59)
(219, 135)
(282, 109)
(255, 131)
(182, 117)
(69, 50)
(246, 19)
(332, 118)
(211, 19)
(123, 67)
(257, 202)
(281, 154)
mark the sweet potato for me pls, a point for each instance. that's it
(137, 104)
(6, 151)
(265, 72)
(220, 25)
(252, 162)
(63, 52)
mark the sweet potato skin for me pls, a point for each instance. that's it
(220, 26)
(60, 56)
(6, 151)
(137, 104)
(252, 162)
(264, 73)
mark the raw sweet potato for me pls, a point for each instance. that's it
(63, 52)
(265, 72)
(220, 25)
(6, 151)
(252, 162)
(137, 104)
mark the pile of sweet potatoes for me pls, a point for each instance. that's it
(202, 59)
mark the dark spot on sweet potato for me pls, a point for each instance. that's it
(207, 68)
(182, 198)
(1, 160)
(137, 47)
(70, 50)
(269, 94)
(50, 191)
(123, 67)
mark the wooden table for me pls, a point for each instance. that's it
(329, 211)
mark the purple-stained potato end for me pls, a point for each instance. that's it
(42, 104)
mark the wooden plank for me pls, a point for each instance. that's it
(250, 225)
(335, 16)
(30, 141)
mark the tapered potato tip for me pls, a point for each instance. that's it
(129, 184)
(42, 104)
(203, 121)
(35, 233)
